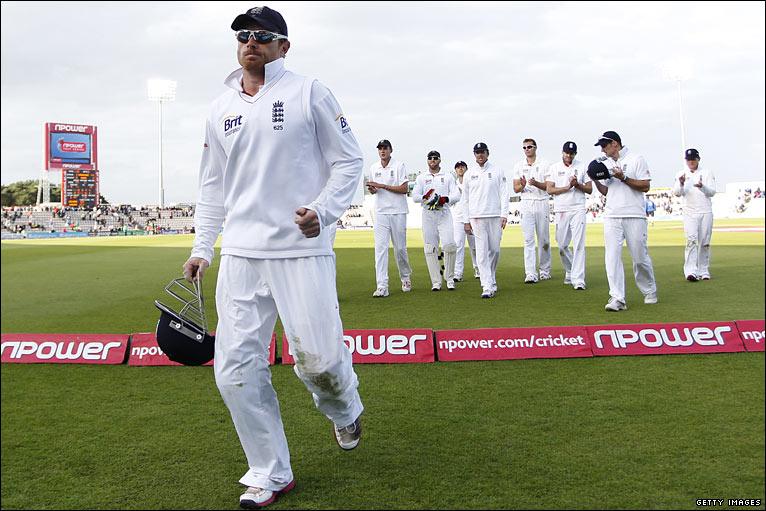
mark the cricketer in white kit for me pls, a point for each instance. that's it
(529, 180)
(485, 214)
(437, 191)
(461, 236)
(697, 187)
(625, 220)
(568, 182)
(279, 167)
(388, 181)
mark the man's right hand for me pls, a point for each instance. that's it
(682, 179)
(195, 268)
(467, 228)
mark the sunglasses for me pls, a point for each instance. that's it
(260, 36)
(528, 147)
(434, 158)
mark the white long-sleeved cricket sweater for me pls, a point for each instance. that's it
(267, 155)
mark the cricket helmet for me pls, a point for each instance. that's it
(182, 335)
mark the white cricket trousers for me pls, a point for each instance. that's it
(460, 237)
(249, 294)
(570, 228)
(535, 220)
(633, 231)
(699, 230)
(390, 227)
(487, 233)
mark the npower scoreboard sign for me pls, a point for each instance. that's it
(71, 146)
(73, 149)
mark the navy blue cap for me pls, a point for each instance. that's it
(481, 146)
(384, 143)
(609, 136)
(265, 17)
(434, 153)
(692, 154)
(569, 147)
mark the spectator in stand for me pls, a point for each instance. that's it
(651, 207)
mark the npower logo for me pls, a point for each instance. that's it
(61, 350)
(72, 147)
(394, 344)
(659, 337)
(146, 351)
(72, 128)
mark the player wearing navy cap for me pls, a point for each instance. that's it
(697, 187)
(280, 165)
(568, 182)
(624, 185)
(388, 181)
(436, 190)
(485, 214)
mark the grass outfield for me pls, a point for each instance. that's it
(617, 432)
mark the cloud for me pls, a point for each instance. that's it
(423, 75)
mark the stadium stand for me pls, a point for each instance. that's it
(738, 200)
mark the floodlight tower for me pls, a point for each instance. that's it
(678, 71)
(161, 91)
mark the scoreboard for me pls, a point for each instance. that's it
(79, 188)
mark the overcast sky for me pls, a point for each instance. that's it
(424, 75)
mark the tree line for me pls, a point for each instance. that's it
(24, 193)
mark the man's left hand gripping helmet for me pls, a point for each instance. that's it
(183, 335)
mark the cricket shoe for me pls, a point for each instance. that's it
(436, 287)
(692, 278)
(380, 292)
(567, 279)
(615, 305)
(488, 294)
(406, 286)
(650, 298)
(579, 287)
(450, 285)
(530, 279)
(348, 436)
(255, 498)
(476, 273)
(545, 276)
(705, 277)
(458, 278)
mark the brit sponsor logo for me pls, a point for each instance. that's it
(665, 338)
(512, 343)
(752, 333)
(72, 147)
(343, 123)
(231, 124)
(64, 348)
(381, 346)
